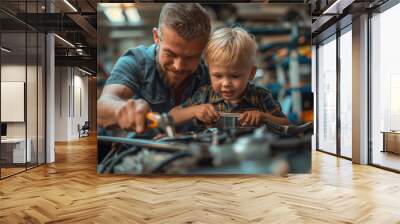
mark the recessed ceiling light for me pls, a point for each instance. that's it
(133, 15)
(114, 14)
(5, 49)
(70, 5)
(337, 7)
(64, 40)
(86, 72)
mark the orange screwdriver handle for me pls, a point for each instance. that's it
(152, 119)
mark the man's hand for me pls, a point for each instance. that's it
(206, 113)
(251, 118)
(132, 115)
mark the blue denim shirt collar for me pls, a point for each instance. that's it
(157, 92)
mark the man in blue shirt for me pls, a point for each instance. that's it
(161, 76)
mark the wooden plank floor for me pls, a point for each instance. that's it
(10, 171)
(70, 191)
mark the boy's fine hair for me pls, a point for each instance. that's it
(230, 46)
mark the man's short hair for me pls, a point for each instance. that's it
(189, 20)
(229, 46)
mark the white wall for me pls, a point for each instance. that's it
(80, 100)
(70, 83)
(50, 96)
(61, 103)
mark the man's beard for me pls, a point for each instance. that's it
(164, 73)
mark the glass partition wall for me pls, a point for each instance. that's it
(326, 56)
(385, 89)
(13, 86)
(345, 60)
(334, 94)
(334, 108)
(22, 77)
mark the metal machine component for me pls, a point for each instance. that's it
(249, 147)
(233, 115)
(230, 120)
(211, 151)
(161, 146)
(163, 122)
(138, 164)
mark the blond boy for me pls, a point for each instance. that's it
(230, 56)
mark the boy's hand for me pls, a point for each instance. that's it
(206, 113)
(251, 118)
